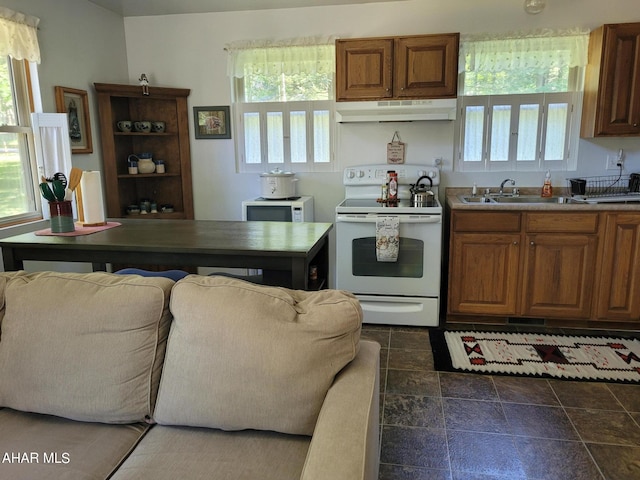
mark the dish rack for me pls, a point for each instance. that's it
(604, 186)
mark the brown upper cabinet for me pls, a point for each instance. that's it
(409, 67)
(612, 83)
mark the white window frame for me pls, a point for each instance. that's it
(285, 108)
(540, 162)
(524, 51)
(21, 75)
(282, 57)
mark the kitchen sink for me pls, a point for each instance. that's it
(467, 199)
(526, 199)
(523, 200)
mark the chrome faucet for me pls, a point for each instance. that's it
(504, 182)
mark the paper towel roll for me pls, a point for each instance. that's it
(92, 202)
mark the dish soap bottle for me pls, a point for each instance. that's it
(547, 189)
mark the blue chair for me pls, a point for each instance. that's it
(174, 275)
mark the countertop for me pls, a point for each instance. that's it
(453, 202)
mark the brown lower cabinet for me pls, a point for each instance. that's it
(619, 294)
(567, 266)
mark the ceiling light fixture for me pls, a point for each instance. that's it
(534, 6)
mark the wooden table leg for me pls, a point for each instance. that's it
(9, 261)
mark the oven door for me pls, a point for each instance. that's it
(416, 271)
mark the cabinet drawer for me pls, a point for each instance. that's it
(562, 222)
(486, 222)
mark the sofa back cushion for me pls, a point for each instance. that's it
(87, 346)
(245, 356)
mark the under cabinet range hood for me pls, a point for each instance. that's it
(396, 110)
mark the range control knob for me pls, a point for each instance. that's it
(360, 173)
(351, 174)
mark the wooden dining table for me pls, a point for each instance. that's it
(284, 251)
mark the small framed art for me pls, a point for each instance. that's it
(212, 122)
(75, 104)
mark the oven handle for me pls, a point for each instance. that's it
(403, 218)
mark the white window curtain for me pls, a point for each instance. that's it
(300, 55)
(18, 35)
(539, 50)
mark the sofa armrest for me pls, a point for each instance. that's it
(345, 442)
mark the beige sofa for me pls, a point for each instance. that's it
(127, 377)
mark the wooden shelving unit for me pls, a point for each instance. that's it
(127, 102)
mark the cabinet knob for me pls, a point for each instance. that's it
(532, 243)
(515, 243)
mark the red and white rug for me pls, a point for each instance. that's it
(559, 356)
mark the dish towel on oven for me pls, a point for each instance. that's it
(387, 238)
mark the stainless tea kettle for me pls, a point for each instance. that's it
(420, 195)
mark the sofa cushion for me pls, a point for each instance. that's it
(86, 346)
(170, 453)
(4, 278)
(244, 356)
(35, 446)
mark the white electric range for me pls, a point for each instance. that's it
(405, 291)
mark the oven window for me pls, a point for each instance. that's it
(269, 213)
(409, 264)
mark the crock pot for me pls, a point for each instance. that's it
(278, 184)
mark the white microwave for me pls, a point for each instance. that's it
(297, 209)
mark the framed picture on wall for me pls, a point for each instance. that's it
(75, 104)
(212, 122)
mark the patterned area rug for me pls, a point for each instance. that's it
(531, 354)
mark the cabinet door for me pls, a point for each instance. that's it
(559, 275)
(483, 277)
(426, 66)
(619, 297)
(612, 84)
(363, 69)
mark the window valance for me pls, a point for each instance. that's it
(18, 35)
(534, 51)
(301, 55)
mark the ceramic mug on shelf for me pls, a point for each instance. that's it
(142, 126)
(157, 127)
(124, 125)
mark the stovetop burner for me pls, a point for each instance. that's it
(372, 205)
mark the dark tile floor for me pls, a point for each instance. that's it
(454, 426)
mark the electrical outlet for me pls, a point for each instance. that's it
(612, 162)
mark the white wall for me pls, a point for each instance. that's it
(187, 51)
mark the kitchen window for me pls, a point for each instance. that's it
(283, 105)
(19, 199)
(520, 101)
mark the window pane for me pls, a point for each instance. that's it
(500, 133)
(252, 146)
(16, 194)
(556, 131)
(265, 87)
(321, 137)
(298, 133)
(528, 132)
(275, 140)
(7, 103)
(473, 133)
